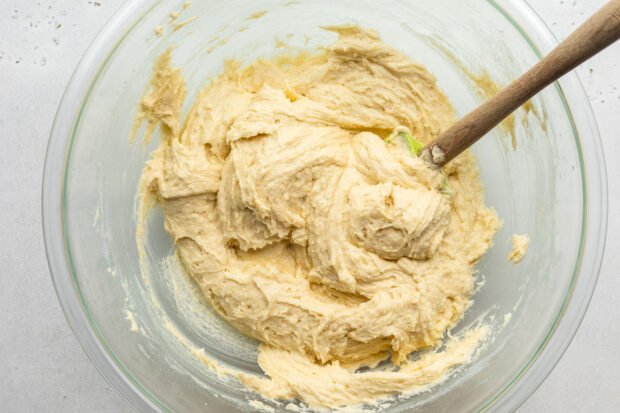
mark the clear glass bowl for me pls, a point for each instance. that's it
(553, 187)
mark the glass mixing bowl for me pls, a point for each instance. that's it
(552, 186)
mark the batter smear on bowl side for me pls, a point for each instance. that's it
(307, 229)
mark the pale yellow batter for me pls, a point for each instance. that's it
(519, 248)
(306, 230)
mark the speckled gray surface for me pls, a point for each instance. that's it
(42, 366)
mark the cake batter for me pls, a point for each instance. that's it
(307, 230)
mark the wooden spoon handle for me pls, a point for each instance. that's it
(598, 32)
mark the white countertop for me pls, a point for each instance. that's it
(43, 366)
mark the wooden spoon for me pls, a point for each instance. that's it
(598, 32)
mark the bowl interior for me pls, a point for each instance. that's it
(537, 188)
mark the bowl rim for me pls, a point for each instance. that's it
(53, 201)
